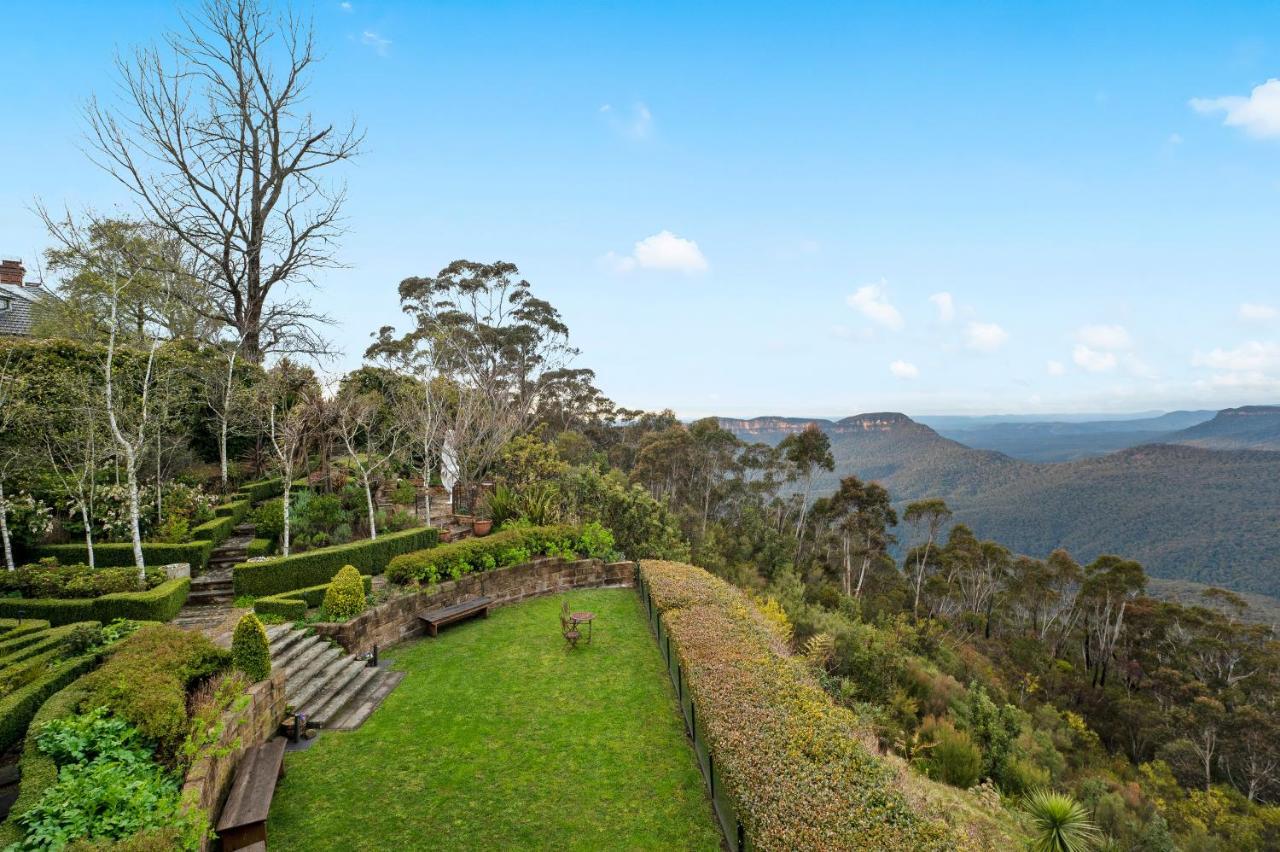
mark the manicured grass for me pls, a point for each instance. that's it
(499, 738)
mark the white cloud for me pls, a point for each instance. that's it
(874, 305)
(1055, 368)
(380, 45)
(946, 306)
(1175, 139)
(904, 370)
(663, 250)
(1110, 337)
(636, 123)
(1093, 360)
(1258, 114)
(1254, 312)
(985, 336)
(1253, 356)
(346, 7)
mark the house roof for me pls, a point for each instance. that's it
(16, 301)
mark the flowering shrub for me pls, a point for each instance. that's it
(185, 507)
(29, 519)
(792, 762)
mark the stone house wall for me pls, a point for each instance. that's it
(397, 619)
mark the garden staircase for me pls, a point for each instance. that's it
(332, 688)
(214, 586)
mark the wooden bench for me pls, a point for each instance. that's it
(437, 618)
(243, 824)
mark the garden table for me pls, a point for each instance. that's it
(583, 618)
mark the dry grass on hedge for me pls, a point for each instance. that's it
(796, 766)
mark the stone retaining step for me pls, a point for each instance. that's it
(333, 689)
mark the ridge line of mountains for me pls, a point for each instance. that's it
(1192, 495)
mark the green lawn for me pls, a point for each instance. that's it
(499, 738)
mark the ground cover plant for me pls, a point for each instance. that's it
(501, 738)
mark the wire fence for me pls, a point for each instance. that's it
(726, 813)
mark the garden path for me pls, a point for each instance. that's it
(210, 606)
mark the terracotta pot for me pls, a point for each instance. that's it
(481, 527)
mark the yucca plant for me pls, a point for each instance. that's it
(540, 504)
(1061, 823)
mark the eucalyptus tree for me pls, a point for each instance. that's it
(929, 517)
(807, 451)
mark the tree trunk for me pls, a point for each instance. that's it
(135, 514)
(368, 496)
(4, 530)
(284, 535)
(862, 574)
(222, 452)
(88, 530)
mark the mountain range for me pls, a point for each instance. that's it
(1202, 505)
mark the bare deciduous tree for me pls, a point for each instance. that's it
(371, 434)
(75, 455)
(215, 142)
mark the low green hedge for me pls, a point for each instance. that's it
(237, 510)
(217, 531)
(260, 547)
(159, 604)
(284, 573)
(18, 707)
(791, 763)
(263, 489)
(508, 547)
(293, 606)
(12, 628)
(39, 772)
(120, 554)
(45, 640)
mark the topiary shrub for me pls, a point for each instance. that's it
(250, 651)
(345, 599)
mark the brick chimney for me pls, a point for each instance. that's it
(12, 272)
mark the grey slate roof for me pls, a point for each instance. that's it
(15, 309)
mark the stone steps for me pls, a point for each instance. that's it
(331, 688)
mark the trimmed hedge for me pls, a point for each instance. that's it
(46, 640)
(790, 761)
(237, 510)
(217, 531)
(293, 605)
(120, 554)
(263, 489)
(11, 629)
(250, 650)
(17, 708)
(284, 573)
(508, 547)
(159, 604)
(260, 547)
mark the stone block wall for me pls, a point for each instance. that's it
(209, 779)
(397, 619)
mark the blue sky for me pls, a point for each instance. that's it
(792, 209)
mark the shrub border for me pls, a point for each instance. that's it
(159, 604)
(300, 571)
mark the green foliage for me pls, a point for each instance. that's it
(120, 554)
(17, 708)
(509, 547)
(345, 599)
(159, 604)
(259, 547)
(994, 729)
(217, 531)
(237, 510)
(293, 605)
(314, 567)
(268, 520)
(263, 489)
(107, 785)
(949, 755)
(643, 527)
(596, 542)
(1061, 823)
(250, 650)
(146, 679)
(51, 580)
(791, 762)
(501, 505)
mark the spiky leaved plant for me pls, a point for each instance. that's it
(1061, 823)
